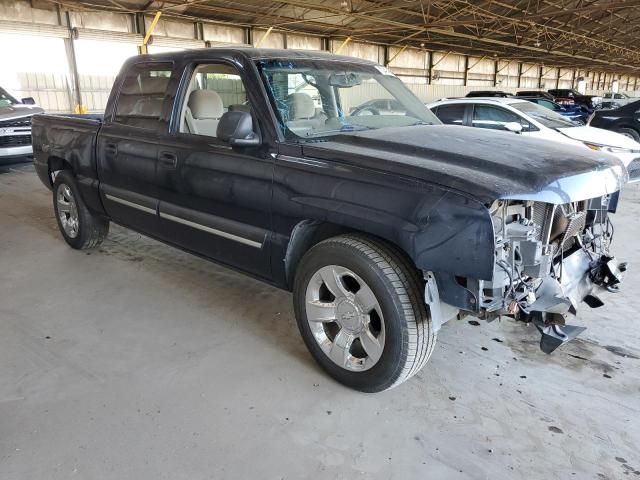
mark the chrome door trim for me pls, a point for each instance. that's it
(137, 206)
(214, 231)
(184, 221)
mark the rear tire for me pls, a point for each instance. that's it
(360, 308)
(629, 132)
(80, 228)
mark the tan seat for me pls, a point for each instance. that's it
(302, 113)
(152, 90)
(203, 112)
(141, 100)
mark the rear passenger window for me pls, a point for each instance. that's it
(142, 95)
(451, 114)
(214, 90)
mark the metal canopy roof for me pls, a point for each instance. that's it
(598, 35)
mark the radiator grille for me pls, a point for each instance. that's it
(15, 140)
(16, 122)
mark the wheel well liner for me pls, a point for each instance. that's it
(308, 233)
(56, 164)
(305, 235)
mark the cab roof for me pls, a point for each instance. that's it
(252, 53)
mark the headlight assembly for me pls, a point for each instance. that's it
(610, 149)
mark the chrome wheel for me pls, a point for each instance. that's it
(67, 211)
(345, 318)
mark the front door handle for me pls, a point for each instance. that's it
(168, 159)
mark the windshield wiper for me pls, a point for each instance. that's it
(343, 129)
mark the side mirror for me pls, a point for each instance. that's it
(236, 128)
(514, 127)
(28, 101)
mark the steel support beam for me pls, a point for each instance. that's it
(519, 74)
(70, 51)
(466, 70)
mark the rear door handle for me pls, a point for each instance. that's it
(111, 148)
(168, 159)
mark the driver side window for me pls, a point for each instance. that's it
(298, 101)
(214, 90)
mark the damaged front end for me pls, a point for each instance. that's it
(548, 259)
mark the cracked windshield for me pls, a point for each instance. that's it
(314, 99)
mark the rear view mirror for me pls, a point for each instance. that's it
(28, 101)
(236, 128)
(514, 127)
(344, 80)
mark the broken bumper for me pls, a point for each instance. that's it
(581, 276)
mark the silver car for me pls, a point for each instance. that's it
(380, 106)
(15, 126)
(616, 100)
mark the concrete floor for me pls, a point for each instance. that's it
(137, 361)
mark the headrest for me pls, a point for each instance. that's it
(205, 104)
(300, 106)
(130, 86)
(154, 85)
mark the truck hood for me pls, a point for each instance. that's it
(19, 110)
(600, 136)
(487, 165)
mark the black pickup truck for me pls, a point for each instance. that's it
(569, 96)
(383, 226)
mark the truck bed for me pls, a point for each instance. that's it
(69, 138)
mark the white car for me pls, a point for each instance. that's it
(15, 127)
(610, 99)
(527, 118)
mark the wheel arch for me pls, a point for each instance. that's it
(55, 164)
(630, 127)
(87, 186)
(305, 234)
(456, 238)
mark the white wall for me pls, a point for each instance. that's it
(99, 62)
(38, 69)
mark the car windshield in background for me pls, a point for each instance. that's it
(321, 98)
(6, 99)
(546, 117)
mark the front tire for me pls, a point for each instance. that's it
(79, 227)
(360, 309)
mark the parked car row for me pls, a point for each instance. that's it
(575, 113)
(384, 225)
(615, 100)
(566, 97)
(15, 126)
(535, 115)
(532, 120)
(624, 120)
